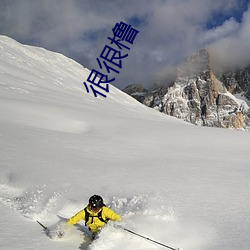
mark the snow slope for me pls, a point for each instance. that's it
(176, 183)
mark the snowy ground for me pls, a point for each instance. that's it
(173, 182)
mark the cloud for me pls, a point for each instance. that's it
(228, 28)
(233, 49)
(169, 31)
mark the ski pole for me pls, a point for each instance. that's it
(146, 238)
(45, 228)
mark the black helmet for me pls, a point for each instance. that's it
(96, 202)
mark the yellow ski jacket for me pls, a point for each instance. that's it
(94, 223)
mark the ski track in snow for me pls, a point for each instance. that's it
(43, 117)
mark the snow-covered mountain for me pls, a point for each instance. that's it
(182, 185)
(201, 96)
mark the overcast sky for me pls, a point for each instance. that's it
(169, 31)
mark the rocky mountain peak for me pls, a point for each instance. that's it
(202, 97)
(196, 64)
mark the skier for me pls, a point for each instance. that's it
(95, 214)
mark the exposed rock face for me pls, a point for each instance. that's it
(134, 88)
(137, 91)
(199, 97)
(237, 81)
